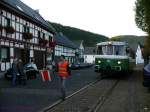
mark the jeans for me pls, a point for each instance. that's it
(63, 86)
(14, 77)
(22, 79)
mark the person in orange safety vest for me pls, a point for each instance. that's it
(63, 72)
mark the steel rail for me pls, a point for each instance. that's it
(71, 95)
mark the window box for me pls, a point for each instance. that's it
(9, 29)
(27, 36)
(43, 42)
(52, 43)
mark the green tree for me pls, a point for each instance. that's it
(142, 16)
(142, 19)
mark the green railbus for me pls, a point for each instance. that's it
(112, 58)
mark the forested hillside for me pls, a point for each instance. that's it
(132, 40)
(129, 38)
(90, 39)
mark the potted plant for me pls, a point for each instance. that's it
(9, 29)
(27, 36)
(52, 43)
(43, 42)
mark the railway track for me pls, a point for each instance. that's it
(103, 98)
(88, 99)
(73, 94)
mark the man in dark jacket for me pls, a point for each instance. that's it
(22, 76)
(14, 71)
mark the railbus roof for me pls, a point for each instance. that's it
(111, 43)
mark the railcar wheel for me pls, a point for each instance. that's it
(148, 88)
(102, 75)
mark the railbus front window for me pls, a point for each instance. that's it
(119, 50)
(104, 50)
(110, 50)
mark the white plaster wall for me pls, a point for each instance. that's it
(89, 58)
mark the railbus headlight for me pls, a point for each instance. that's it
(99, 61)
(119, 62)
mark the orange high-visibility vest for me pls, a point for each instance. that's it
(62, 69)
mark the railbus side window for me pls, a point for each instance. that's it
(119, 50)
(110, 50)
(99, 50)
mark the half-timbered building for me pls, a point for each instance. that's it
(64, 46)
(24, 34)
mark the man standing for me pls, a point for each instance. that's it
(63, 73)
(14, 71)
(22, 76)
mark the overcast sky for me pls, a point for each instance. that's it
(107, 17)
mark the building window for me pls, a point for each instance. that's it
(13, 17)
(36, 41)
(50, 38)
(13, 36)
(43, 35)
(17, 27)
(3, 21)
(39, 34)
(3, 13)
(8, 15)
(21, 27)
(4, 56)
(8, 22)
(17, 36)
(36, 33)
(17, 19)
(0, 19)
(21, 21)
(26, 29)
(13, 24)
(31, 30)
(21, 36)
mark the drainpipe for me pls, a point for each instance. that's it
(45, 64)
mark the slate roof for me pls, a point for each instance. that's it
(78, 42)
(64, 41)
(24, 10)
(89, 50)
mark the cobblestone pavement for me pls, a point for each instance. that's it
(128, 96)
(37, 94)
(85, 100)
(124, 94)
